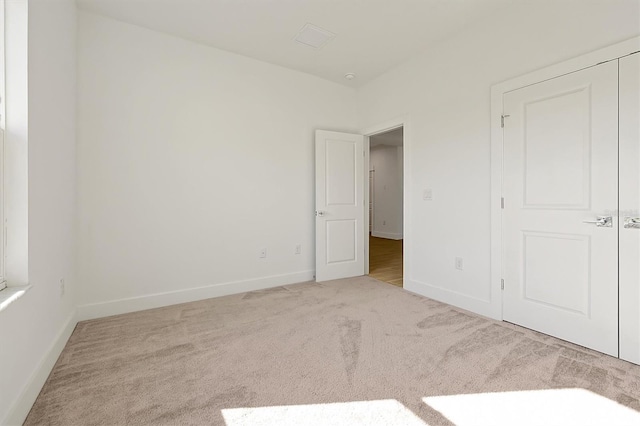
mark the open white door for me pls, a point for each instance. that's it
(339, 205)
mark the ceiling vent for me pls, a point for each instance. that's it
(313, 36)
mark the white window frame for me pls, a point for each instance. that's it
(3, 225)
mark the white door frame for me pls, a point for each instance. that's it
(395, 123)
(585, 61)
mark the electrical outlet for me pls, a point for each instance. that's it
(263, 253)
(61, 287)
(384, 223)
(459, 263)
(427, 195)
(298, 248)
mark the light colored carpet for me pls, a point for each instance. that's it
(353, 351)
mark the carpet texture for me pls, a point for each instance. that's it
(359, 347)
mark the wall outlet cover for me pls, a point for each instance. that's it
(459, 264)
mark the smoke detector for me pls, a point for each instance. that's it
(314, 36)
(349, 76)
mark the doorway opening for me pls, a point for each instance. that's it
(386, 176)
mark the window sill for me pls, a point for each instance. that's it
(11, 294)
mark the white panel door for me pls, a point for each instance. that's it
(339, 205)
(561, 169)
(630, 208)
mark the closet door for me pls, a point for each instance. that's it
(560, 197)
(630, 208)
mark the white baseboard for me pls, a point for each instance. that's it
(488, 308)
(20, 408)
(387, 235)
(158, 300)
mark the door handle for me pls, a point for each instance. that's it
(320, 213)
(632, 222)
(601, 221)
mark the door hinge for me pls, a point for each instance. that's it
(502, 284)
(502, 202)
(502, 117)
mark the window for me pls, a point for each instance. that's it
(3, 282)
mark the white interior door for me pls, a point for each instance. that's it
(560, 170)
(339, 205)
(630, 208)
(372, 175)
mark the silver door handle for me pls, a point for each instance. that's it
(601, 221)
(320, 213)
(632, 222)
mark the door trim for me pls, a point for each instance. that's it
(404, 122)
(609, 53)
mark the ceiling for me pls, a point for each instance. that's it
(371, 36)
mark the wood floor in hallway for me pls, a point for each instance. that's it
(385, 260)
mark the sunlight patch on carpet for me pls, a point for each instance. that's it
(382, 412)
(539, 407)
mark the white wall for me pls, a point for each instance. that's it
(34, 329)
(386, 161)
(445, 93)
(191, 160)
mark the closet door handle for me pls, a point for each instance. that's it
(601, 221)
(632, 222)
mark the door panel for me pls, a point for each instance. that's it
(550, 258)
(341, 237)
(339, 205)
(630, 207)
(560, 169)
(557, 178)
(341, 184)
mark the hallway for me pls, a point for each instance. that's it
(385, 260)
